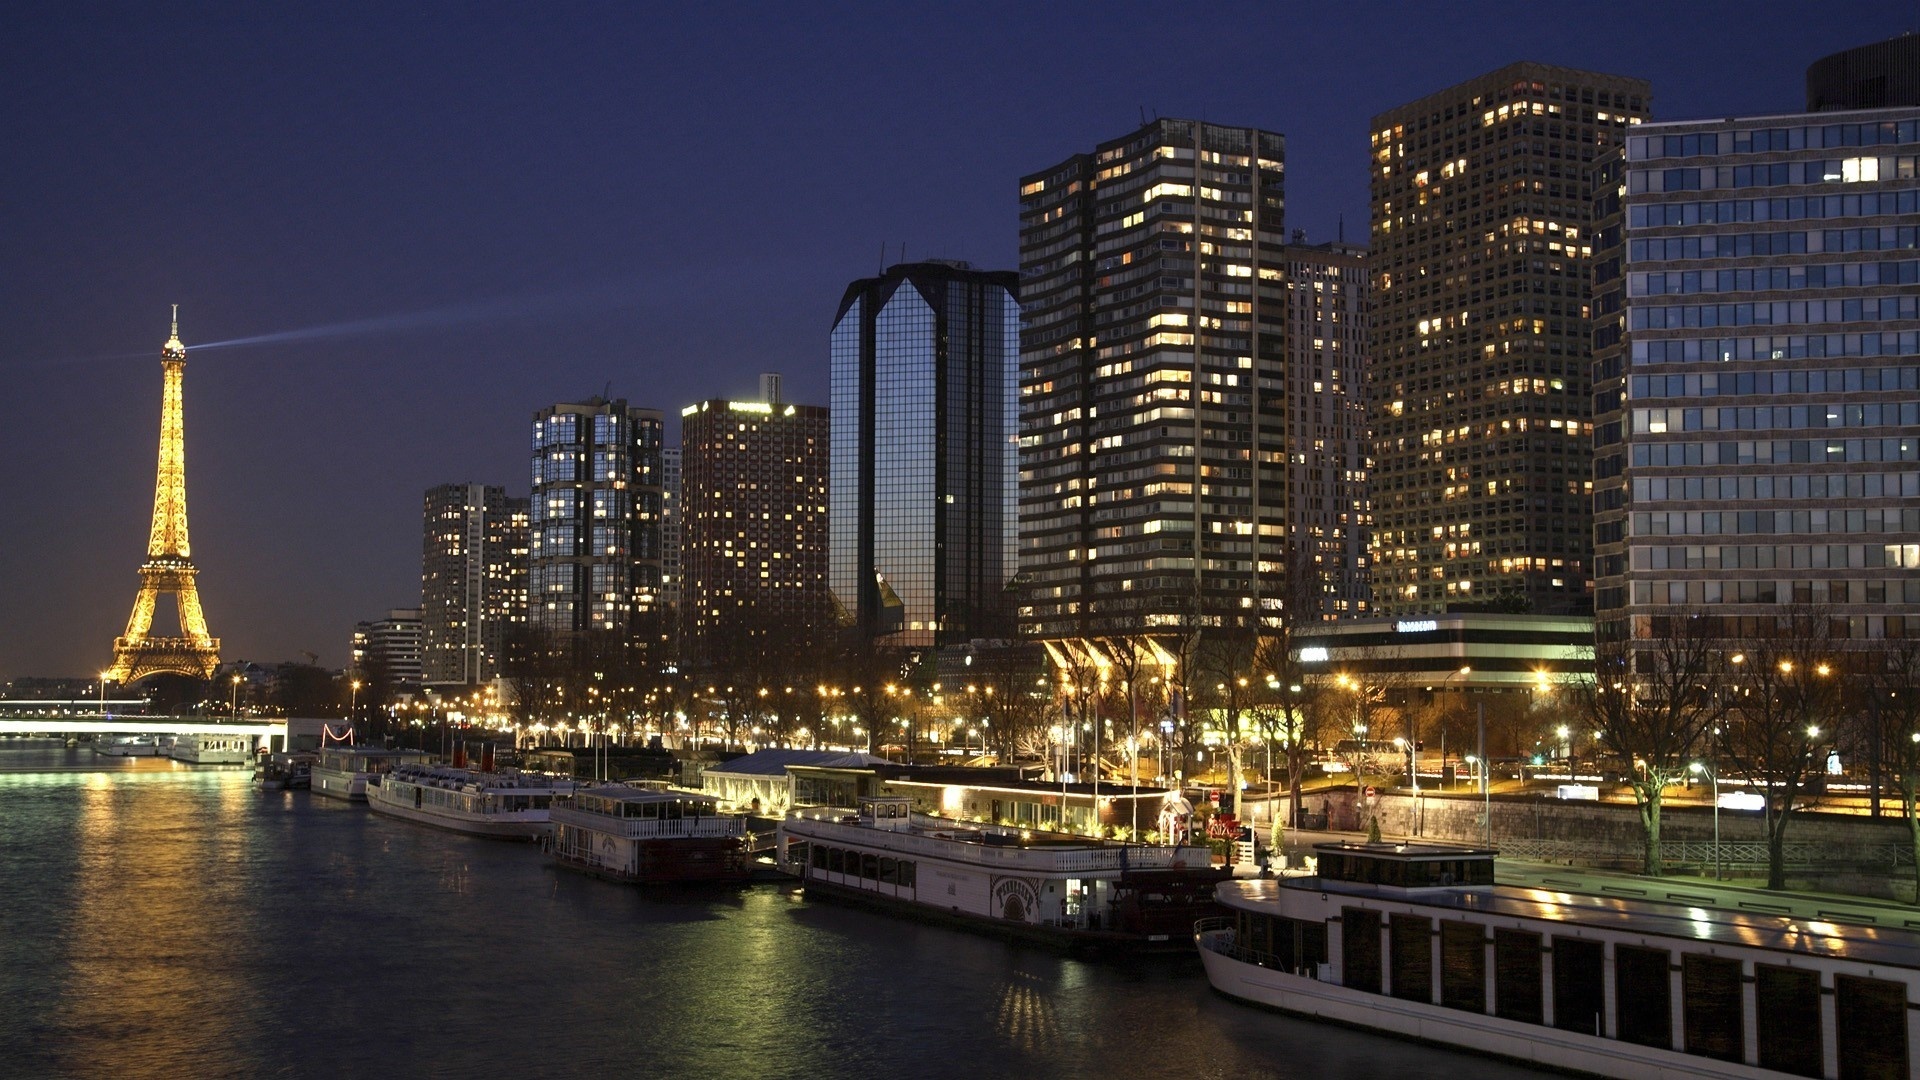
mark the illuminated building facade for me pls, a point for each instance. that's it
(670, 526)
(922, 530)
(1481, 254)
(390, 646)
(473, 581)
(1757, 369)
(1153, 271)
(594, 545)
(754, 526)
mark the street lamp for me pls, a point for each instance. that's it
(103, 693)
(233, 697)
(1701, 770)
(353, 699)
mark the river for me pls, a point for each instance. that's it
(158, 920)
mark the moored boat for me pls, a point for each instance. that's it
(126, 746)
(505, 805)
(1416, 940)
(649, 835)
(341, 771)
(1057, 888)
(286, 771)
(214, 749)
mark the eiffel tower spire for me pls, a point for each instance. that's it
(169, 567)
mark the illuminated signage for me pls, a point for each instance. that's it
(1416, 626)
(1309, 655)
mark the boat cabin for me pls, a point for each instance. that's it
(1405, 866)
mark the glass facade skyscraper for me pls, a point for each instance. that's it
(594, 558)
(1757, 376)
(1482, 416)
(922, 531)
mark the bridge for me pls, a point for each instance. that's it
(273, 730)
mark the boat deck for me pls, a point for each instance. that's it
(1840, 940)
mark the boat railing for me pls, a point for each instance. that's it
(1095, 856)
(651, 828)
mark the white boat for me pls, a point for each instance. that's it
(506, 805)
(649, 835)
(1416, 940)
(126, 746)
(290, 770)
(1059, 888)
(205, 749)
(342, 771)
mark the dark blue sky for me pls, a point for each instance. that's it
(581, 195)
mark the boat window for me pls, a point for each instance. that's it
(1516, 976)
(889, 873)
(1463, 966)
(1642, 996)
(1360, 949)
(870, 867)
(1711, 1007)
(1579, 986)
(906, 874)
(1411, 937)
(1787, 1019)
(1871, 1022)
(1313, 946)
(819, 857)
(836, 861)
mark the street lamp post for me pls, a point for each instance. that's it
(233, 698)
(353, 701)
(1712, 778)
(103, 694)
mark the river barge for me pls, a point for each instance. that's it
(1076, 892)
(1417, 941)
(503, 805)
(649, 836)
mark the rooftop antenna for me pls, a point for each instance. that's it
(606, 392)
(176, 320)
(883, 258)
(1143, 116)
(903, 251)
(1342, 219)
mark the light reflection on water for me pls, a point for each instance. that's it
(164, 922)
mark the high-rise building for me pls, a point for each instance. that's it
(1757, 368)
(670, 534)
(1885, 74)
(923, 463)
(1324, 499)
(1481, 254)
(473, 581)
(754, 527)
(594, 549)
(1152, 269)
(391, 646)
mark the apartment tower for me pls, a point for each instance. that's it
(1481, 255)
(473, 581)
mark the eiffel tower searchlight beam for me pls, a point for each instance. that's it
(169, 567)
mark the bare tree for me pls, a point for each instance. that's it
(1790, 701)
(1893, 703)
(1653, 701)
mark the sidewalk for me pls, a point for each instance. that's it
(1744, 895)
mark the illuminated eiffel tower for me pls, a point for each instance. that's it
(169, 567)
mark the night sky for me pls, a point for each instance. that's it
(500, 206)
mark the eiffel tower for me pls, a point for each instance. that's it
(169, 567)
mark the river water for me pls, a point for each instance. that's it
(158, 920)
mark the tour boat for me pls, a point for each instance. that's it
(649, 835)
(505, 805)
(208, 749)
(1059, 888)
(342, 771)
(1416, 940)
(126, 746)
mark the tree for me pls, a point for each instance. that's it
(1289, 716)
(1893, 703)
(1653, 701)
(1790, 701)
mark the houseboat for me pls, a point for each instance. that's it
(342, 771)
(205, 749)
(1417, 941)
(649, 835)
(287, 771)
(504, 805)
(1074, 891)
